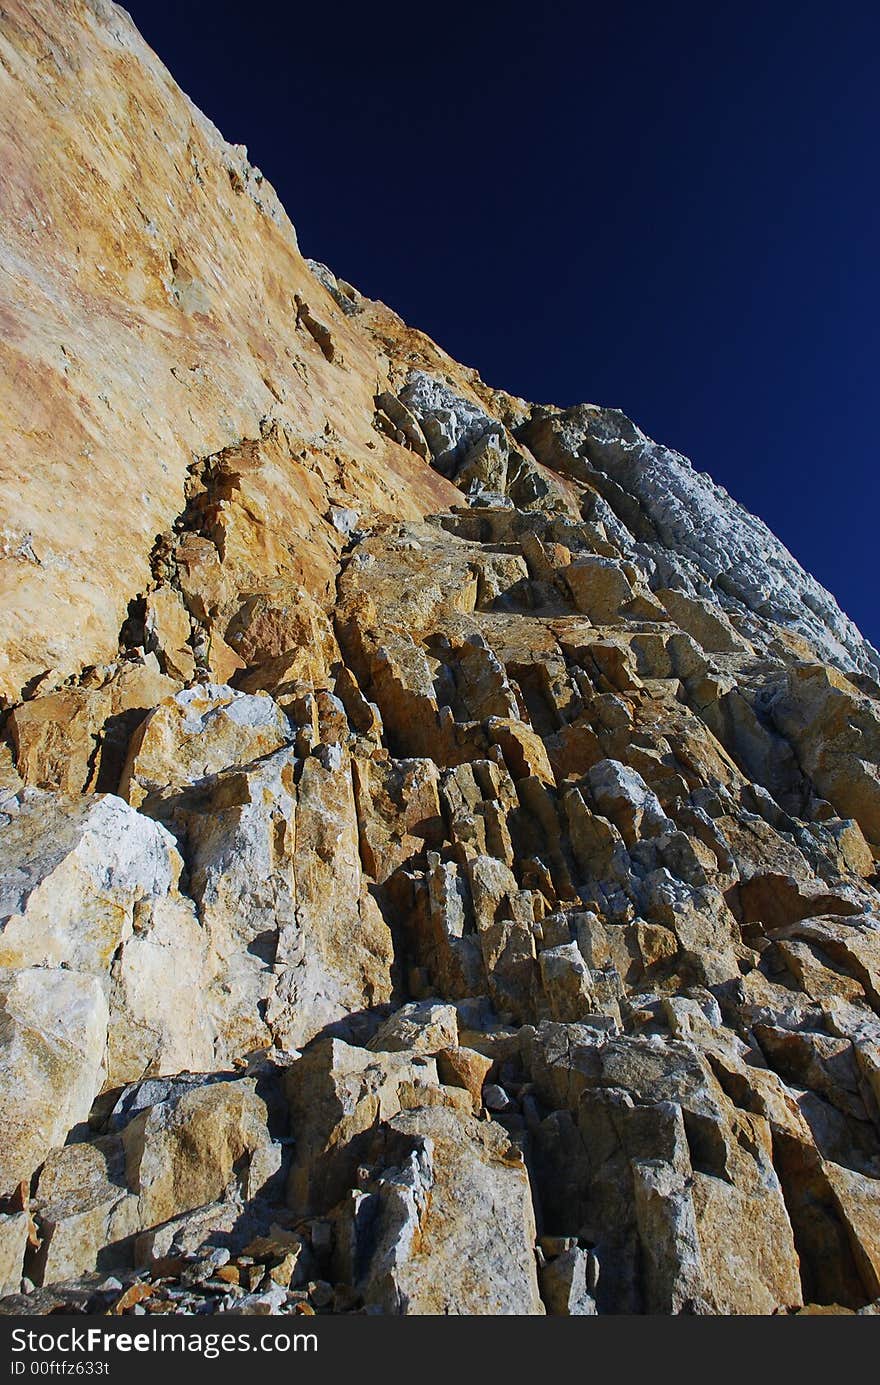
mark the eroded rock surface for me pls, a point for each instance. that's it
(438, 833)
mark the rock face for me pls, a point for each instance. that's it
(438, 833)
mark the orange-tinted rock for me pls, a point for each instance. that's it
(464, 1067)
(76, 739)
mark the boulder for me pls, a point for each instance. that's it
(84, 1213)
(89, 885)
(196, 733)
(421, 1027)
(52, 1052)
(452, 1226)
(185, 1152)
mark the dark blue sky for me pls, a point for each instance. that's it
(670, 208)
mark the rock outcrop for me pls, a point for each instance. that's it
(439, 833)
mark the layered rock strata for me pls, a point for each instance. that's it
(438, 832)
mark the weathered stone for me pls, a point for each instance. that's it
(185, 1152)
(435, 1250)
(337, 1093)
(622, 795)
(73, 874)
(266, 629)
(239, 829)
(76, 739)
(526, 754)
(422, 1027)
(599, 587)
(704, 621)
(90, 885)
(398, 812)
(564, 1284)
(337, 954)
(14, 1227)
(168, 628)
(84, 1211)
(199, 732)
(464, 1067)
(565, 978)
(858, 1201)
(52, 1047)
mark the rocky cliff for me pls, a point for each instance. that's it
(438, 832)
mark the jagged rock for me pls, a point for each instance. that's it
(51, 1063)
(99, 955)
(836, 733)
(398, 809)
(523, 750)
(238, 827)
(565, 978)
(495, 1098)
(83, 1212)
(199, 732)
(403, 421)
(519, 770)
(599, 587)
(183, 1153)
(707, 623)
(858, 1202)
(433, 1248)
(337, 1093)
(696, 1163)
(75, 740)
(181, 1145)
(168, 629)
(342, 293)
(564, 1284)
(74, 872)
(292, 631)
(622, 795)
(444, 933)
(693, 517)
(450, 423)
(464, 1067)
(337, 956)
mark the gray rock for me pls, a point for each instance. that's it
(495, 1097)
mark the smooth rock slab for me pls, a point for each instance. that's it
(13, 1240)
(53, 1032)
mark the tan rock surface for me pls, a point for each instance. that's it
(133, 353)
(196, 734)
(452, 1259)
(454, 818)
(183, 1153)
(51, 1062)
(13, 1241)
